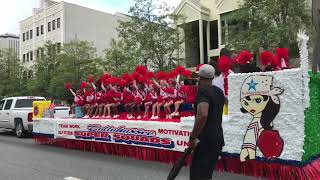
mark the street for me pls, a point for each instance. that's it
(22, 159)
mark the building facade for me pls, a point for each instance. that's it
(206, 21)
(62, 22)
(10, 42)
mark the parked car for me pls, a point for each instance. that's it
(16, 113)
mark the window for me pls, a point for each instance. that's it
(37, 54)
(58, 47)
(58, 23)
(8, 105)
(53, 24)
(27, 34)
(41, 29)
(49, 26)
(38, 31)
(31, 56)
(31, 34)
(25, 103)
(27, 57)
(30, 74)
(24, 58)
(1, 104)
(24, 37)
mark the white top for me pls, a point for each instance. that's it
(218, 81)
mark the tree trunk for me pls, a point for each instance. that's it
(316, 22)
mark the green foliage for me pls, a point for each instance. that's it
(151, 34)
(121, 58)
(12, 83)
(268, 24)
(75, 62)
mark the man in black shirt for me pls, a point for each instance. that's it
(206, 138)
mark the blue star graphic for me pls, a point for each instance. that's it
(252, 85)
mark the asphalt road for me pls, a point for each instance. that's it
(22, 159)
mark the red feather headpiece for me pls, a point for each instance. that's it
(68, 86)
(266, 58)
(245, 57)
(83, 84)
(224, 64)
(141, 70)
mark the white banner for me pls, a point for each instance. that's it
(160, 135)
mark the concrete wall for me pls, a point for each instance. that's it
(90, 25)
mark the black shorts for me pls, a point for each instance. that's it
(204, 160)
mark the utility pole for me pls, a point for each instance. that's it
(316, 23)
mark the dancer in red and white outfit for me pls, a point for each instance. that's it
(163, 96)
(150, 100)
(139, 96)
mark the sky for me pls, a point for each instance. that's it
(13, 11)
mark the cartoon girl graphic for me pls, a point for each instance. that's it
(259, 98)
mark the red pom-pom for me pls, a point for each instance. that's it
(187, 73)
(173, 74)
(270, 143)
(198, 67)
(282, 53)
(245, 57)
(161, 75)
(113, 80)
(142, 79)
(135, 75)
(122, 83)
(180, 69)
(150, 75)
(68, 86)
(141, 70)
(266, 58)
(83, 84)
(104, 78)
(224, 64)
(90, 79)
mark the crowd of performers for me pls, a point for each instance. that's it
(152, 92)
(136, 91)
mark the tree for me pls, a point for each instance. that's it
(121, 58)
(153, 33)
(268, 24)
(11, 83)
(74, 62)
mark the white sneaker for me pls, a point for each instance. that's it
(72, 115)
(152, 117)
(85, 116)
(139, 117)
(156, 117)
(108, 117)
(116, 116)
(130, 117)
(169, 117)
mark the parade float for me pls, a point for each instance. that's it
(272, 128)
